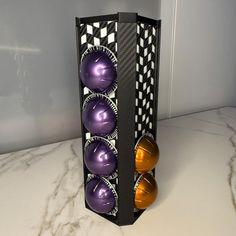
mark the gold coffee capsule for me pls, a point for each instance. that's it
(145, 191)
(146, 154)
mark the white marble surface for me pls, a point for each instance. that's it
(41, 189)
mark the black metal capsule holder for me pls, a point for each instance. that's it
(135, 42)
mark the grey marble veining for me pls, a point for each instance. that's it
(42, 188)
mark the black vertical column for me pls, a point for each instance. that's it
(126, 40)
(156, 79)
(78, 41)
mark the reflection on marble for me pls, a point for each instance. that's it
(41, 189)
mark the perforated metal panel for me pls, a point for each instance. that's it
(99, 34)
(145, 84)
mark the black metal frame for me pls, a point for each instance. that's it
(126, 94)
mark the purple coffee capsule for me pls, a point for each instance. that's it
(100, 195)
(99, 116)
(98, 69)
(100, 157)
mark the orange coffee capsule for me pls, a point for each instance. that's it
(146, 154)
(145, 191)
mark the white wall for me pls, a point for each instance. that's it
(38, 71)
(198, 55)
(167, 17)
(39, 99)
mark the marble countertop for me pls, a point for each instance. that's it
(41, 189)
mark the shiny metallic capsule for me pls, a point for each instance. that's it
(146, 154)
(145, 191)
